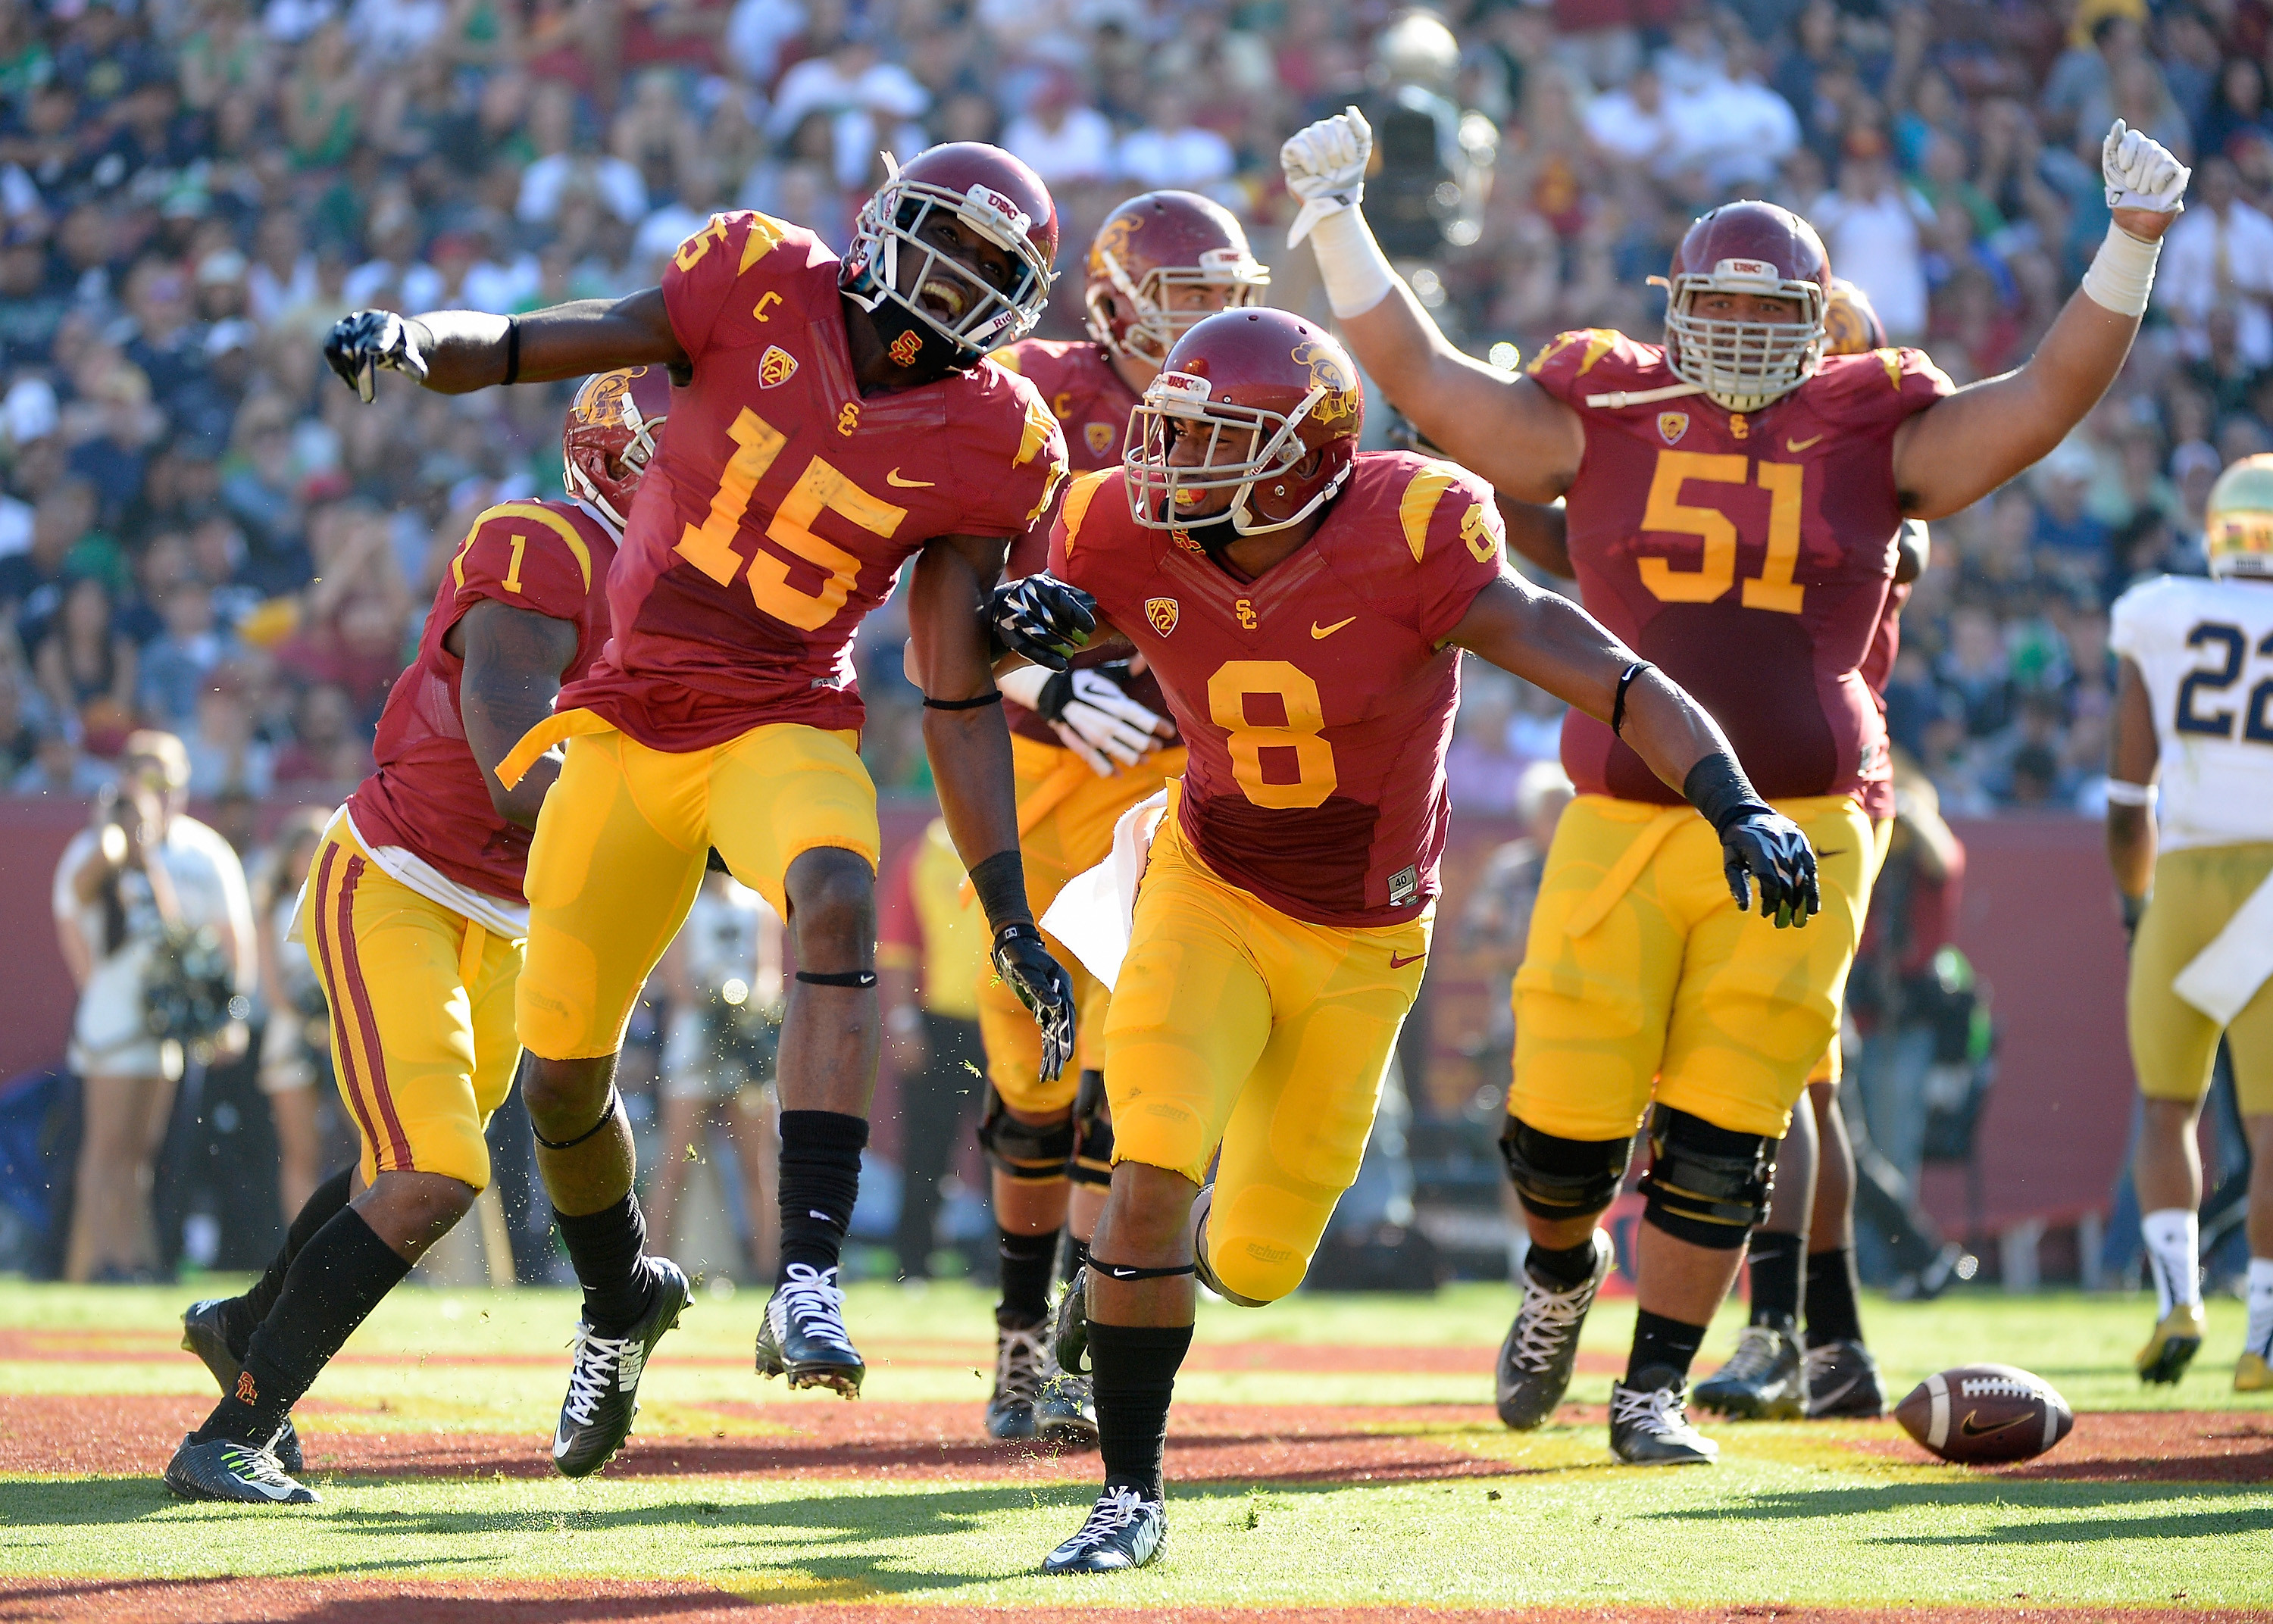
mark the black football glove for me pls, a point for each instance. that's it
(1762, 844)
(358, 345)
(1042, 986)
(2135, 909)
(1042, 618)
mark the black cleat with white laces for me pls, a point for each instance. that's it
(1649, 1422)
(1022, 1363)
(1124, 1530)
(1542, 1344)
(1842, 1380)
(604, 1377)
(1765, 1379)
(202, 1334)
(1065, 1411)
(803, 1335)
(222, 1468)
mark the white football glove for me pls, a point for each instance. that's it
(1325, 169)
(2140, 172)
(1100, 721)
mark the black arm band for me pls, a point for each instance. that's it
(511, 349)
(1619, 705)
(606, 1117)
(992, 697)
(1717, 787)
(837, 978)
(1123, 1271)
(1001, 883)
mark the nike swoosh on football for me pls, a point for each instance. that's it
(1396, 963)
(893, 478)
(1972, 1431)
(1319, 630)
(1799, 445)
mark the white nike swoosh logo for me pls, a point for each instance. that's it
(893, 478)
(561, 1444)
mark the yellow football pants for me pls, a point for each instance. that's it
(2173, 1044)
(1066, 815)
(1233, 1025)
(620, 849)
(422, 1014)
(1641, 980)
(1828, 1069)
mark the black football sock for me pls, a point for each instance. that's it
(820, 1182)
(240, 1314)
(1134, 1375)
(606, 1249)
(1777, 1262)
(1028, 1262)
(1076, 1256)
(1562, 1265)
(1661, 1342)
(1832, 1313)
(339, 1277)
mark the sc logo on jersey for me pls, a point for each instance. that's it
(1163, 613)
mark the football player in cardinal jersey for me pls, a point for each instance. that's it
(1732, 499)
(835, 421)
(1088, 744)
(414, 917)
(1304, 607)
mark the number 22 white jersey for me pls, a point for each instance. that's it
(2205, 648)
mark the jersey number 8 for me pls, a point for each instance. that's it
(1236, 683)
(2257, 721)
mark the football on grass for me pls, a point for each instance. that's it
(1984, 1415)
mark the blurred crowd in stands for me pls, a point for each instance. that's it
(201, 531)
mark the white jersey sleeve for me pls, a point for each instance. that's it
(2205, 651)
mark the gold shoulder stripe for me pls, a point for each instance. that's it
(765, 235)
(1892, 360)
(1079, 495)
(531, 511)
(1419, 502)
(1007, 358)
(1040, 427)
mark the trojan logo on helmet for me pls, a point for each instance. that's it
(610, 434)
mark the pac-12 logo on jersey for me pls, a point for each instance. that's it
(1673, 425)
(1162, 612)
(776, 367)
(1100, 436)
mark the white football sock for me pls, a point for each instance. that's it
(2258, 1338)
(2174, 1237)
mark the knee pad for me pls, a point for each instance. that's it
(1556, 1178)
(1707, 1185)
(1023, 1150)
(1092, 1133)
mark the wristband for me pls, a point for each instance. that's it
(1619, 705)
(992, 696)
(837, 978)
(1351, 264)
(2122, 792)
(1001, 885)
(1717, 787)
(2122, 272)
(511, 349)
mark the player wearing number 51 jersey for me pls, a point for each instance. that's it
(835, 421)
(1305, 607)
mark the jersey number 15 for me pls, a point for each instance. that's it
(2257, 718)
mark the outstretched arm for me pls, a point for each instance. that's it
(455, 352)
(2134, 760)
(514, 660)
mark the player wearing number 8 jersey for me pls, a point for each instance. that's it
(835, 421)
(1732, 503)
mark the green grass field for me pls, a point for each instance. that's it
(1458, 1512)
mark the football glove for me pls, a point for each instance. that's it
(1042, 986)
(358, 345)
(1325, 169)
(1762, 844)
(1042, 618)
(2141, 173)
(1091, 713)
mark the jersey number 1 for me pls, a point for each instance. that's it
(1716, 569)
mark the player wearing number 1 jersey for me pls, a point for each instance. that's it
(1304, 607)
(836, 422)
(1732, 504)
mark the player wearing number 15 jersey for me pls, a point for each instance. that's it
(836, 421)
(1304, 607)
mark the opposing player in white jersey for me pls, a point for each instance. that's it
(2194, 710)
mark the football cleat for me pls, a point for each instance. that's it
(803, 1335)
(1842, 1380)
(1535, 1360)
(203, 1336)
(1650, 1425)
(222, 1468)
(604, 1378)
(2253, 1374)
(1124, 1530)
(2173, 1347)
(1065, 1411)
(1764, 1379)
(1021, 1365)
(1070, 1328)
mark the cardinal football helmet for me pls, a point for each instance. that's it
(1754, 248)
(610, 435)
(1850, 323)
(986, 190)
(1266, 378)
(1153, 244)
(2237, 520)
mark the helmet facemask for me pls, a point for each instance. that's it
(1152, 322)
(987, 317)
(1158, 488)
(1742, 365)
(634, 455)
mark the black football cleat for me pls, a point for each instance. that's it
(1650, 1425)
(1765, 1379)
(1069, 1324)
(1124, 1530)
(1541, 1346)
(1842, 1380)
(604, 1378)
(221, 1469)
(803, 1335)
(1065, 1412)
(1021, 1365)
(203, 1336)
